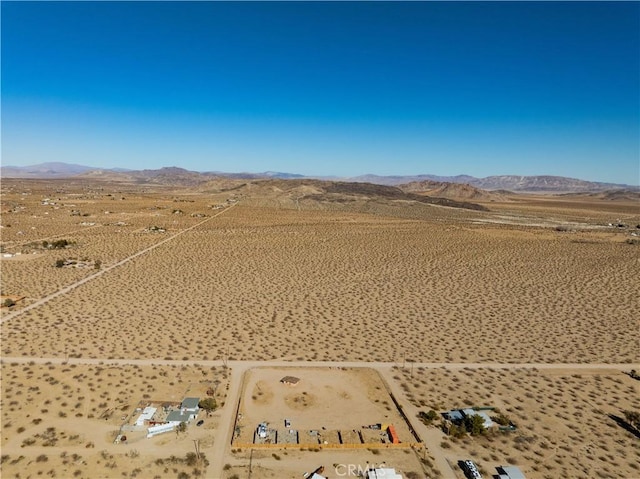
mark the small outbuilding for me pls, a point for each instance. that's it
(510, 472)
(290, 380)
(455, 416)
(147, 415)
(383, 473)
(190, 404)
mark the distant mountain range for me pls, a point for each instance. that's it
(181, 176)
(514, 183)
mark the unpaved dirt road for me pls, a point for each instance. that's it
(66, 289)
(386, 370)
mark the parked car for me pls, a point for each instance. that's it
(200, 422)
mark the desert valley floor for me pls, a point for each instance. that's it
(130, 293)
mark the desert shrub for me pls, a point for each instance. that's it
(427, 417)
(474, 424)
(502, 419)
(456, 431)
(632, 418)
(8, 302)
(208, 404)
(58, 244)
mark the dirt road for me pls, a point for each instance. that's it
(66, 289)
(387, 370)
(244, 365)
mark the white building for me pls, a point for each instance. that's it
(159, 429)
(147, 415)
(383, 473)
(188, 411)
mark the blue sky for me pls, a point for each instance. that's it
(329, 88)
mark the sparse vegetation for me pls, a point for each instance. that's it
(633, 419)
(208, 404)
(454, 269)
(8, 302)
(428, 417)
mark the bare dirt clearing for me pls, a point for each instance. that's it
(325, 400)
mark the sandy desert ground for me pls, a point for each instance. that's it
(291, 464)
(61, 420)
(334, 286)
(325, 400)
(280, 275)
(564, 419)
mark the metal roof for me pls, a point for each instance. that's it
(513, 472)
(190, 403)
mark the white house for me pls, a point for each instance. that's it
(188, 411)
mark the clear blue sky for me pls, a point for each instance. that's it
(326, 88)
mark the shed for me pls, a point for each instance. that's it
(190, 404)
(510, 472)
(290, 380)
